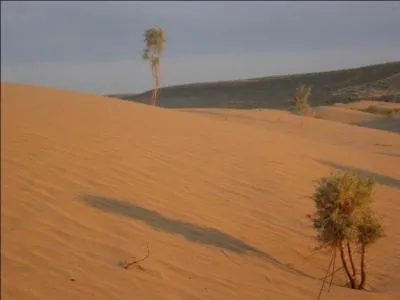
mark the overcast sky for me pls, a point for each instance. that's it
(96, 46)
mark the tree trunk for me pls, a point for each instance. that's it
(346, 268)
(153, 97)
(363, 275)
(154, 73)
(157, 78)
(353, 269)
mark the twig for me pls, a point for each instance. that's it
(333, 273)
(326, 276)
(127, 265)
(333, 268)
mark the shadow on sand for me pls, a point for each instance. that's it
(192, 232)
(379, 178)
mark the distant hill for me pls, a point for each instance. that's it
(378, 82)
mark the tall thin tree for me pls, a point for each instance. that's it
(154, 39)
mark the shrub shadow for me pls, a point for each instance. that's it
(195, 233)
(379, 178)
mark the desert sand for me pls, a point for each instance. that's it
(219, 196)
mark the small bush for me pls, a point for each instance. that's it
(345, 222)
(300, 101)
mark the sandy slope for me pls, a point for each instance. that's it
(351, 114)
(88, 181)
(345, 115)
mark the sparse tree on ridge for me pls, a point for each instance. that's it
(155, 46)
(300, 100)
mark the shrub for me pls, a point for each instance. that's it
(300, 100)
(345, 222)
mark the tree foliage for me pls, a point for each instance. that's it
(345, 222)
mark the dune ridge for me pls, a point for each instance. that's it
(219, 196)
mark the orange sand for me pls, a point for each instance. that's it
(220, 197)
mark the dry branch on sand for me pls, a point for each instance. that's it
(130, 264)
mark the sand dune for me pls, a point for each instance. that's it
(352, 113)
(219, 196)
(344, 115)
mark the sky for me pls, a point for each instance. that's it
(96, 46)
